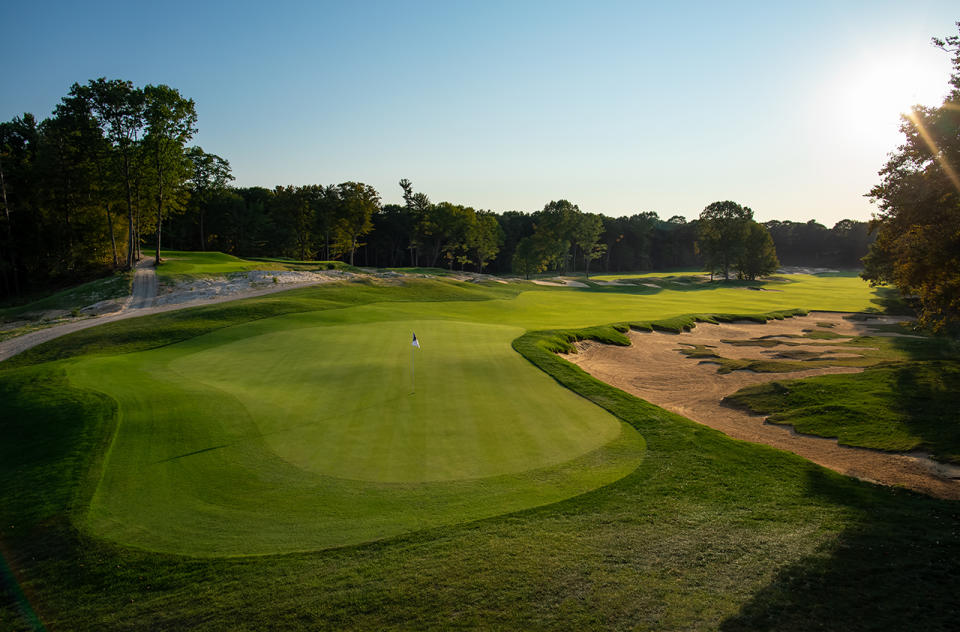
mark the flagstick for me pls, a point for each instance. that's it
(413, 372)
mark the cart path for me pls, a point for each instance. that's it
(141, 303)
(145, 285)
(653, 369)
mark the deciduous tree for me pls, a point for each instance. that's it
(170, 119)
(722, 233)
(918, 225)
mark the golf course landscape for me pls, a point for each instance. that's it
(480, 316)
(292, 461)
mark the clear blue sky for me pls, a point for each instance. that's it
(619, 107)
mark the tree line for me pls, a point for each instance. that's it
(111, 172)
(304, 222)
(83, 189)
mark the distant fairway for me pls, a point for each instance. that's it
(293, 433)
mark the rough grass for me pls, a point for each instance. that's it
(180, 265)
(304, 266)
(909, 406)
(73, 299)
(177, 265)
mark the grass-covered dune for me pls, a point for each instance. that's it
(181, 264)
(262, 465)
(899, 408)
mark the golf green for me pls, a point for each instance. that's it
(300, 432)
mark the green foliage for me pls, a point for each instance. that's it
(729, 239)
(811, 243)
(758, 257)
(722, 232)
(530, 257)
(357, 202)
(485, 238)
(918, 227)
(210, 175)
(170, 121)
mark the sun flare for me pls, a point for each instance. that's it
(871, 94)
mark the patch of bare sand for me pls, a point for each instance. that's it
(561, 282)
(174, 301)
(653, 369)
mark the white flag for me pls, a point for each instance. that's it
(415, 343)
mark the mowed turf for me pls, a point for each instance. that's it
(342, 400)
(294, 433)
(300, 431)
(705, 533)
(178, 262)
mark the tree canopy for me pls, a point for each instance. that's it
(111, 170)
(917, 247)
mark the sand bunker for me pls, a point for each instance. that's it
(654, 369)
(561, 282)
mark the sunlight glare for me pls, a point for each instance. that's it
(870, 94)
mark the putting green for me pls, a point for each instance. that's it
(341, 401)
(300, 432)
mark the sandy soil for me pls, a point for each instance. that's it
(149, 297)
(653, 369)
(145, 300)
(560, 282)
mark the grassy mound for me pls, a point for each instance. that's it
(72, 299)
(910, 406)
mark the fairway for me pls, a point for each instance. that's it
(302, 432)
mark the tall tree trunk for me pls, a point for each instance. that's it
(137, 244)
(12, 255)
(113, 237)
(131, 234)
(157, 260)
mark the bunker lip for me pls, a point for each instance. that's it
(653, 369)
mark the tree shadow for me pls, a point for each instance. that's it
(896, 569)
(889, 301)
(681, 283)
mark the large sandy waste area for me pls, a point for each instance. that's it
(654, 369)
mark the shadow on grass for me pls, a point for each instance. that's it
(896, 569)
(655, 285)
(924, 392)
(927, 397)
(890, 302)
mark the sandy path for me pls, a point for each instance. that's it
(141, 303)
(653, 369)
(145, 285)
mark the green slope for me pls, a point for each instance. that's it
(275, 436)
